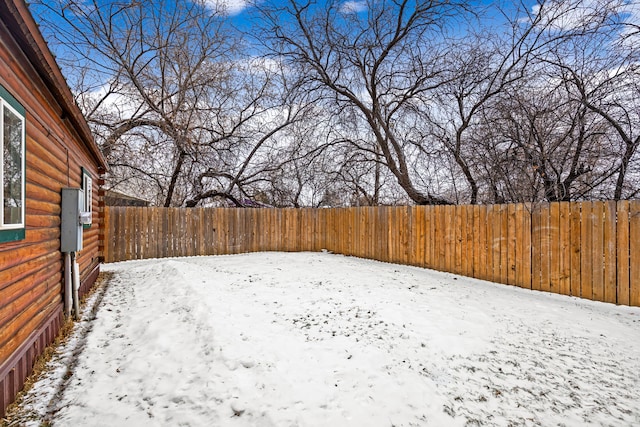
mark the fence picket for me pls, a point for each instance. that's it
(622, 253)
(504, 243)
(586, 266)
(597, 235)
(565, 248)
(536, 241)
(527, 250)
(554, 243)
(470, 222)
(481, 242)
(545, 248)
(576, 248)
(458, 241)
(610, 232)
(511, 245)
(519, 231)
(634, 253)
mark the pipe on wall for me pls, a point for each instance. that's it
(68, 283)
(76, 286)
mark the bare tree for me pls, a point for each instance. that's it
(379, 101)
(157, 65)
(520, 117)
(539, 144)
(375, 64)
(610, 91)
(600, 68)
(177, 106)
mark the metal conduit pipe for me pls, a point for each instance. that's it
(76, 286)
(68, 284)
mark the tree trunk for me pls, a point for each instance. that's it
(174, 178)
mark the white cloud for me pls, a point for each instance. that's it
(631, 33)
(111, 101)
(575, 14)
(353, 6)
(566, 15)
(228, 7)
(258, 63)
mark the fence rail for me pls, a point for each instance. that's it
(585, 249)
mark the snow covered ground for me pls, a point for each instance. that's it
(307, 339)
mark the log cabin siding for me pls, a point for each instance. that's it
(57, 148)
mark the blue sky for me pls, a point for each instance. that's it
(240, 13)
(239, 10)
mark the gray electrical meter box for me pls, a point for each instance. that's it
(70, 225)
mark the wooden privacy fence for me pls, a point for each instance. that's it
(585, 249)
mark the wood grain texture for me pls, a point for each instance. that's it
(597, 250)
(623, 287)
(511, 244)
(610, 232)
(31, 269)
(564, 248)
(586, 251)
(634, 253)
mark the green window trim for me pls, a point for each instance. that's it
(12, 235)
(9, 99)
(13, 231)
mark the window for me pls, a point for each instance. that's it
(12, 168)
(87, 186)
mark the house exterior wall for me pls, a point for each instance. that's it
(32, 269)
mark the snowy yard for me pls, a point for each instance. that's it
(302, 339)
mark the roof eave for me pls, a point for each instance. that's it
(35, 48)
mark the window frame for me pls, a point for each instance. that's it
(13, 232)
(87, 182)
